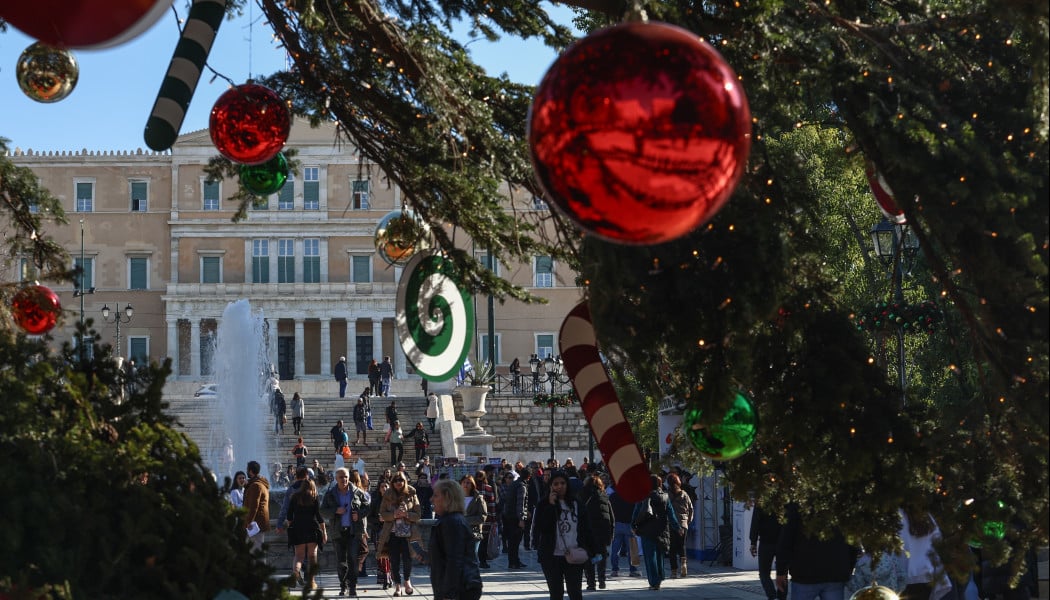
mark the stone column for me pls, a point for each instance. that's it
(173, 343)
(377, 339)
(399, 359)
(351, 346)
(326, 346)
(195, 348)
(300, 348)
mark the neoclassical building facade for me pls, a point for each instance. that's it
(150, 231)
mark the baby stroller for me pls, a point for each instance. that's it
(383, 576)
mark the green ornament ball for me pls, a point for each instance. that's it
(267, 178)
(990, 529)
(728, 439)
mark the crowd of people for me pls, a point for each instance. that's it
(568, 516)
(579, 528)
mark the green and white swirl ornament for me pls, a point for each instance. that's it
(434, 317)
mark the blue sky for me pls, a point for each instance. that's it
(117, 86)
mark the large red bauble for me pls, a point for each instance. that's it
(36, 309)
(639, 132)
(249, 124)
(884, 196)
(83, 23)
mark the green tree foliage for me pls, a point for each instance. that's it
(947, 98)
(104, 498)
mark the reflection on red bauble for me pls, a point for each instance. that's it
(83, 23)
(36, 309)
(883, 196)
(639, 132)
(249, 124)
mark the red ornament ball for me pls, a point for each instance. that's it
(639, 132)
(249, 124)
(83, 23)
(36, 309)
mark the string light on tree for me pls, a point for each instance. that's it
(639, 132)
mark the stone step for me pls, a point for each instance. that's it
(321, 414)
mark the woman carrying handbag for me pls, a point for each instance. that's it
(563, 539)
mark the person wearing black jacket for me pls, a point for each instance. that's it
(652, 521)
(515, 516)
(599, 514)
(765, 530)
(536, 488)
(622, 534)
(340, 375)
(817, 567)
(561, 526)
(454, 570)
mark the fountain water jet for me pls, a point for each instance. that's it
(241, 411)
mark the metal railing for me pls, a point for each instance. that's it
(529, 385)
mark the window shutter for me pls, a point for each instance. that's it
(138, 273)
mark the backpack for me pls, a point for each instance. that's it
(278, 401)
(652, 522)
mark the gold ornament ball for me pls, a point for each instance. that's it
(400, 235)
(47, 74)
(874, 592)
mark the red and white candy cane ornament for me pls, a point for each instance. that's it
(601, 406)
(884, 196)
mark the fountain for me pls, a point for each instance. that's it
(240, 412)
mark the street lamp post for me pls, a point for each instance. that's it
(80, 292)
(550, 367)
(895, 242)
(534, 368)
(118, 318)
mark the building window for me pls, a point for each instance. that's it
(138, 350)
(85, 278)
(312, 261)
(538, 203)
(485, 349)
(490, 262)
(286, 197)
(139, 195)
(211, 269)
(260, 261)
(88, 344)
(311, 188)
(544, 345)
(360, 194)
(85, 196)
(544, 269)
(261, 203)
(27, 270)
(361, 269)
(138, 273)
(285, 261)
(211, 195)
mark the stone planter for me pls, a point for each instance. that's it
(473, 407)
